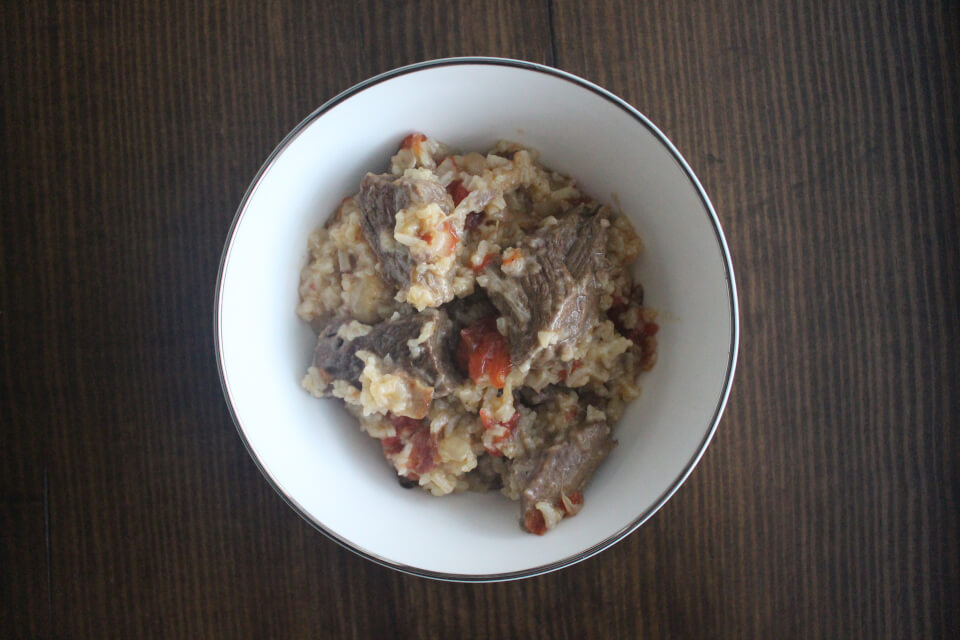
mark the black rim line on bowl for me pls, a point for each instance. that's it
(732, 297)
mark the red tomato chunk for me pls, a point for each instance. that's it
(392, 446)
(423, 450)
(457, 191)
(483, 351)
(534, 522)
(454, 237)
(404, 425)
(576, 499)
(413, 141)
(487, 259)
(423, 455)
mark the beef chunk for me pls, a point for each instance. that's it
(336, 357)
(557, 288)
(563, 468)
(380, 198)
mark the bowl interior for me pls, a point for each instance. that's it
(314, 452)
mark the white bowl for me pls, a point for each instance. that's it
(313, 453)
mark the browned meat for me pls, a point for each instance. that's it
(380, 198)
(557, 289)
(336, 357)
(561, 469)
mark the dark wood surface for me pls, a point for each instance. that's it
(826, 134)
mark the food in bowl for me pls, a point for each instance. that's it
(476, 312)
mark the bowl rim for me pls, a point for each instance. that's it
(614, 538)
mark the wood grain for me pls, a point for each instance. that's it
(826, 135)
(828, 145)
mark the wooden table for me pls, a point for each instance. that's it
(827, 136)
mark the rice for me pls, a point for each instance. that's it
(470, 438)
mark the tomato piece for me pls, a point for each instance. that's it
(510, 255)
(534, 522)
(412, 141)
(487, 259)
(450, 230)
(457, 191)
(403, 425)
(576, 502)
(498, 366)
(483, 351)
(454, 236)
(423, 454)
(391, 446)
(423, 450)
